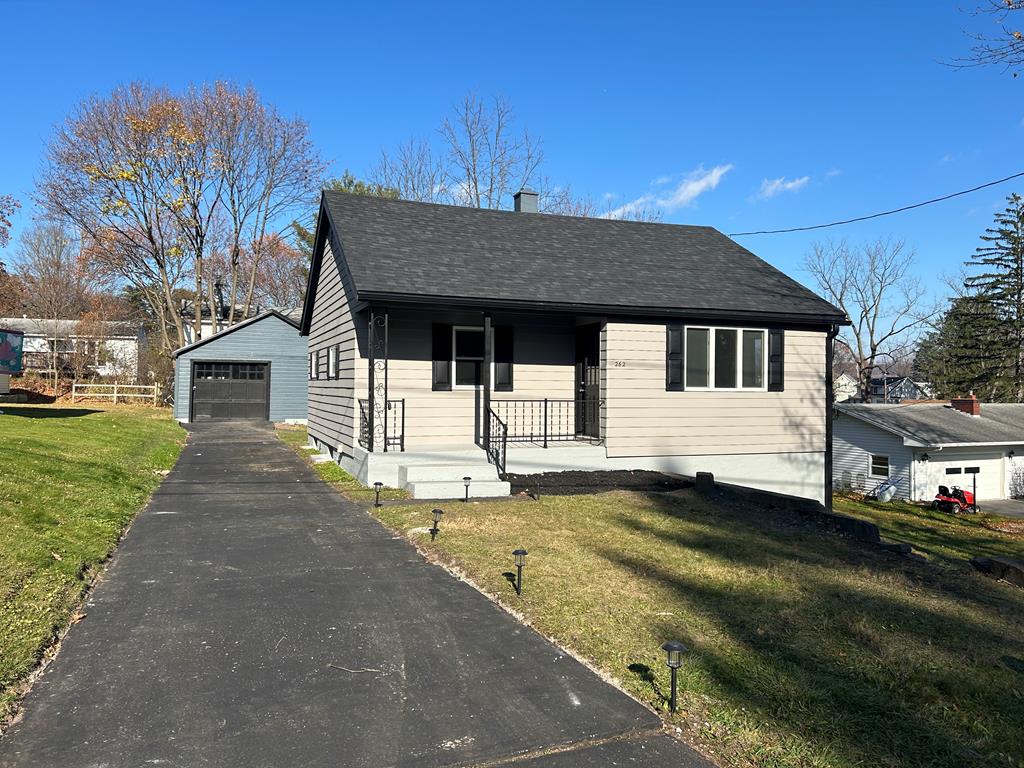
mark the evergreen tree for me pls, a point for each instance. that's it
(1001, 285)
(964, 353)
(347, 183)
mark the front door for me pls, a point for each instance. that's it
(588, 381)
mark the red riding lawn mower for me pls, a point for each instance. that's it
(955, 499)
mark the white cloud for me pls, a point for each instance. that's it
(692, 186)
(833, 173)
(773, 187)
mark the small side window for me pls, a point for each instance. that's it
(953, 470)
(879, 466)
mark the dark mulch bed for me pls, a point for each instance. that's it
(578, 482)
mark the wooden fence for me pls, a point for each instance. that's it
(116, 392)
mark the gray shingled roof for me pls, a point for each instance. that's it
(395, 247)
(935, 424)
(37, 326)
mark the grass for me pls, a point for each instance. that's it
(329, 472)
(948, 539)
(807, 649)
(71, 480)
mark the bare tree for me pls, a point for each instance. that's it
(1002, 48)
(489, 159)
(415, 170)
(56, 285)
(484, 158)
(157, 180)
(102, 175)
(875, 286)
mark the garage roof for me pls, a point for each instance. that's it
(282, 315)
(938, 425)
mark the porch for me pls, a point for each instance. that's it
(449, 394)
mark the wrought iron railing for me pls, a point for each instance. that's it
(497, 442)
(549, 420)
(388, 436)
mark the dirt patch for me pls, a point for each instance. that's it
(574, 483)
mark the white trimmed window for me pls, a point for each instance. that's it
(879, 466)
(726, 358)
(332, 362)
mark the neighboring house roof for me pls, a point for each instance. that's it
(37, 326)
(237, 326)
(401, 251)
(936, 425)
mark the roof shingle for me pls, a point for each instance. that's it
(418, 249)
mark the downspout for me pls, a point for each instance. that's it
(830, 397)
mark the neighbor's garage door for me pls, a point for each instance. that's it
(230, 391)
(952, 470)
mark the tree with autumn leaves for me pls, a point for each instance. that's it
(174, 192)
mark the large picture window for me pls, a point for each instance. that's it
(725, 358)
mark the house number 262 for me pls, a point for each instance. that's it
(618, 363)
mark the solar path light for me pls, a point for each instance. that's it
(437, 521)
(520, 558)
(466, 481)
(675, 651)
(376, 493)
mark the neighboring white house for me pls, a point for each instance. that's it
(919, 447)
(106, 349)
(844, 388)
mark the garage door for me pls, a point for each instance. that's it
(230, 391)
(957, 471)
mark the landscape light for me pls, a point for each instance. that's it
(466, 481)
(675, 650)
(437, 521)
(520, 558)
(376, 493)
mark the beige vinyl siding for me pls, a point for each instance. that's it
(332, 412)
(543, 366)
(645, 420)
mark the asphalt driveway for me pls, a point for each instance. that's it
(253, 617)
(1004, 507)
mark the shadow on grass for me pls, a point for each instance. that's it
(46, 413)
(860, 658)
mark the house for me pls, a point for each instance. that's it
(921, 446)
(897, 389)
(95, 348)
(449, 342)
(845, 388)
(254, 370)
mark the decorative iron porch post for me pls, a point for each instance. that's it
(378, 379)
(486, 375)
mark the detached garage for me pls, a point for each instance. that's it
(919, 447)
(253, 371)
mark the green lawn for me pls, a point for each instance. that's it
(807, 649)
(71, 480)
(295, 436)
(948, 539)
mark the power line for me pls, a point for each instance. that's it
(883, 213)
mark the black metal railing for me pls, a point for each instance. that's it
(497, 443)
(388, 436)
(549, 420)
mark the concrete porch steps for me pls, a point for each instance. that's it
(445, 489)
(445, 480)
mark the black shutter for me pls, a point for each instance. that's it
(674, 358)
(776, 360)
(441, 355)
(503, 358)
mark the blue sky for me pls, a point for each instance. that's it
(799, 112)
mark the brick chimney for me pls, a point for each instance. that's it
(968, 405)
